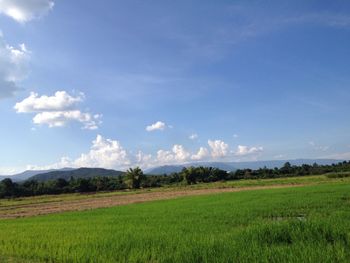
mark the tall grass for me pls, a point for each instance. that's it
(338, 175)
(308, 224)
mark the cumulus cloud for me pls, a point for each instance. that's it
(109, 153)
(219, 149)
(25, 10)
(159, 125)
(165, 157)
(57, 110)
(13, 67)
(193, 136)
(202, 154)
(58, 102)
(178, 154)
(61, 118)
(143, 160)
(65, 162)
(243, 150)
(105, 153)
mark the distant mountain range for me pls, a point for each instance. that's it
(67, 173)
(232, 166)
(76, 173)
(29, 173)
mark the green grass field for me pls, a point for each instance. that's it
(303, 180)
(305, 224)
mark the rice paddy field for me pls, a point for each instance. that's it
(309, 223)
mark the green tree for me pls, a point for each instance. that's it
(286, 168)
(189, 175)
(134, 177)
(7, 188)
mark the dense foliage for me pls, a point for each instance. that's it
(134, 178)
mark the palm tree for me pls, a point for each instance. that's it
(134, 177)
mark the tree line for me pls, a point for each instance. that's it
(135, 178)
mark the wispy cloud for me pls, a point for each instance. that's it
(25, 10)
(13, 67)
(246, 24)
(193, 136)
(318, 147)
(339, 156)
(321, 18)
(243, 150)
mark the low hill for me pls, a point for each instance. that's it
(76, 173)
(29, 173)
(232, 166)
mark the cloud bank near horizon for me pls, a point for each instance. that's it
(109, 153)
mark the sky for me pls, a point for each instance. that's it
(118, 84)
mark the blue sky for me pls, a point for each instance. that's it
(218, 80)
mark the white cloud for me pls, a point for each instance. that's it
(61, 118)
(159, 125)
(10, 170)
(108, 153)
(245, 150)
(235, 136)
(318, 147)
(165, 157)
(180, 154)
(143, 160)
(58, 102)
(64, 162)
(202, 153)
(13, 67)
(25, 10)
(193, 136)
(279, 156)
(57, 110)
(219, 149)
(105, 153)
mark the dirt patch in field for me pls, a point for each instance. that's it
(26, 210)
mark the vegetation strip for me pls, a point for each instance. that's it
(99, 180)
(27, 210)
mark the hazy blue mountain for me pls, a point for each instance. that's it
(167, 169)
(232, 166)
(280, 163)
(76, 173)
(66, 173)
(29, 173)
